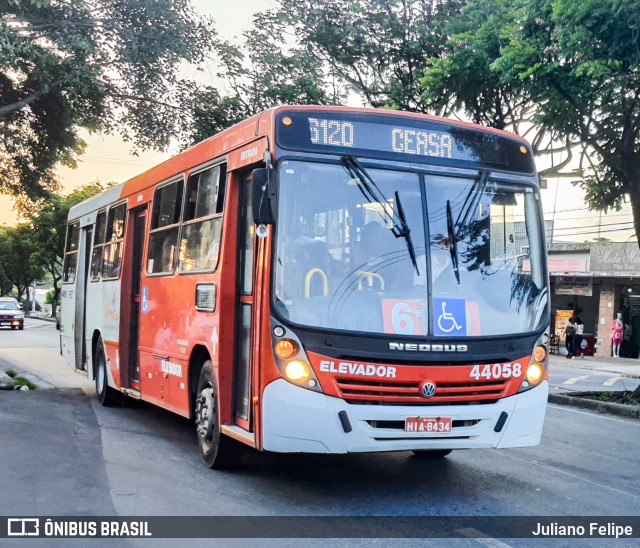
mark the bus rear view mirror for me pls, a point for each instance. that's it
(264, 196)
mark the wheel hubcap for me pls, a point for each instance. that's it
(101, 375)
(205, 415)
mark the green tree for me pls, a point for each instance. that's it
(49, 226)
(468, 78)
(5, 284)
(101, 65)
(580, 63)
(380, 47)
(17, 258)
(261, 73)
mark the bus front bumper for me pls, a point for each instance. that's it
(296, 420)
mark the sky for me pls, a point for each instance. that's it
(109, 158)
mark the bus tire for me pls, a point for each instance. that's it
(217, 451)
(107, 396)
(432, 453)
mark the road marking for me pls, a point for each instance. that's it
(575, 379)
(480, 537)
(557, 470)
(635, 422)
(611, 381)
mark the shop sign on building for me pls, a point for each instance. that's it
(615, 257)
(574, 286)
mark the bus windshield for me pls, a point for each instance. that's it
(345, 261)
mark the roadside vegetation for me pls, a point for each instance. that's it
(625, 398)
(18, 381)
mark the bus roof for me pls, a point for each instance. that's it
(242, 133)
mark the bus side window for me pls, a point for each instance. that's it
(202, 221)
(98, 246)
(165, 223)
(112, 253)
(71, 253)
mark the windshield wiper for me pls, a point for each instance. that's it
(471, 201)
(373, 194)
(453, 241)
(406, 233)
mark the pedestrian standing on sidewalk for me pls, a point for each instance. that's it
(569, 334)
(578, 337)
(617, 331)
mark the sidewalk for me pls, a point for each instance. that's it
(625, 367)
(36, 317)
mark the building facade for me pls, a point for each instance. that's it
(597, 281)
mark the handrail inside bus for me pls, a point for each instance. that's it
(307, 282)
(370, 276)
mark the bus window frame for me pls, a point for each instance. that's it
(66, 252)
(423, 171)
(181, 178)
(96, 245)
(218, 162)
(119, 240)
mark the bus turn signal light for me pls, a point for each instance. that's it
(534, 373)
(539, 353)
(296, 370)
(285, 348)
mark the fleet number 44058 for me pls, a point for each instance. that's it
(496, 371)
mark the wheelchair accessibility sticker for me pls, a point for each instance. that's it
(145, 300)
(450, 317)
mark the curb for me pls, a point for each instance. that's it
(608, 408)
(43, 318)
(602, 368)
(626, 374)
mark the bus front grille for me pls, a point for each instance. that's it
(409, 393)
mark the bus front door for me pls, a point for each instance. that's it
(131, 299)
(244, 309)
(80, 326)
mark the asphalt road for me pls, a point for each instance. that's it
(63, 454)
(573, 379)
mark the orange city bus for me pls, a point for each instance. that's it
(323, 280)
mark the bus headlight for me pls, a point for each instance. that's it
(540, 353)
(291, 359)
(286, 348)
(296, 371)
(534, 373)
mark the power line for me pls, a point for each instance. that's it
(595, 232)
(623, 227)
(606, 217)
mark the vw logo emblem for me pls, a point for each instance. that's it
(428, 389)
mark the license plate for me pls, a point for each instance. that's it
(5, 323)
(437, 425)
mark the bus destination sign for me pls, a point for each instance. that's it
(399, 138)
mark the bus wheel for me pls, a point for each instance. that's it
(216, 450)
(107, 396)
(432, 453)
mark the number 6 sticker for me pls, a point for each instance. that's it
(403, 317)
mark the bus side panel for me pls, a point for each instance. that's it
(67, 322)
(162, 315)
(110, 329)
(95, 320)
